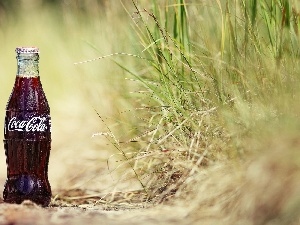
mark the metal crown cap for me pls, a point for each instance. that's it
(30, 50)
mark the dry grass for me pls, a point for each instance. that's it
(264, 190)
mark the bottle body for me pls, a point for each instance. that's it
(27, 137)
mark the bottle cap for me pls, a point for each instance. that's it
(30, 50)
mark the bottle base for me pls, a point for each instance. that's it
(26, 187)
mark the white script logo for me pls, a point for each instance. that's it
(34, 124)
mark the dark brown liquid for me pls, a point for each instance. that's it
(27, 142)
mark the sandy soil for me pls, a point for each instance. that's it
(28, 214)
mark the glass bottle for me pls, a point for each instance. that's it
(27, 134)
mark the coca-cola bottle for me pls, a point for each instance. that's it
(27, 134)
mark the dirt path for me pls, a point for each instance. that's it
(83, 207)
(29, 214)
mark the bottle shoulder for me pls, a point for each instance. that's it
(27, 94)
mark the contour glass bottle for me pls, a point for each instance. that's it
(27, 134)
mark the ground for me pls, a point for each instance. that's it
(29, 213)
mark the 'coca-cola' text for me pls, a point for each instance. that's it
(37, 123)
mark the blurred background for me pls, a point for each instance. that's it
(68, 32)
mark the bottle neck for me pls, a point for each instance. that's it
(28, 65)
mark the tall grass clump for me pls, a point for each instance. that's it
(218, 84)
(177, 123)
